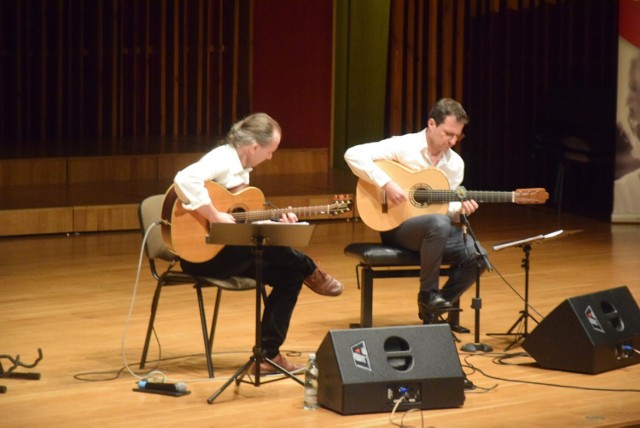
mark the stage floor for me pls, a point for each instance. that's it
(71, 296)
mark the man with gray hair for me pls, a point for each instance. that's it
(250, 142)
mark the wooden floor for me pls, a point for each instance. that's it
(71, 295)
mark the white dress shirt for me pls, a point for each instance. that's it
(409, 150)
(222, 165)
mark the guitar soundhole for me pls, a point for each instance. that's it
(419, 195)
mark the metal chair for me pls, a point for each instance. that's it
(149, 214)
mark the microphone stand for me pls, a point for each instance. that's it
(476, 302)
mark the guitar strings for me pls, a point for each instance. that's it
(247, 216)
(439, 195)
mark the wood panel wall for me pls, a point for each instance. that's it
(75, 72)
(102, 193)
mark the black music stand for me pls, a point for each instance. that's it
(525, 244)
(258, 235)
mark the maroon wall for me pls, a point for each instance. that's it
(292, 68)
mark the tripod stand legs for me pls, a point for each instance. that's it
(522, 319)
(238, 376)
(524, 314)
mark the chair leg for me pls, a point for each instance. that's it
(366, 298)
(214, 320)
(205, 334)
(152, 318)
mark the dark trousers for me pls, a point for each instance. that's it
(283, 268)
(439, 242)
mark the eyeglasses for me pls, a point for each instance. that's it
(450, 135)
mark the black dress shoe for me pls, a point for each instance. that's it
(457, 328)
(437, 303)
(431, 305)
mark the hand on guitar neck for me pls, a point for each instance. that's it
(469, 206)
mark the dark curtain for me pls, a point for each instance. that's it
(118, 76)
(529, 73)
(426, 60)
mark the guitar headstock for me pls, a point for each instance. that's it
(531, 196)
(340, 205)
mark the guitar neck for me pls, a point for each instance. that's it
(431, 196)
(257, 215)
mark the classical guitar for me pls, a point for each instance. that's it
(184, 231)
(428, 193)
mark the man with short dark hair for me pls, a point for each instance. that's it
(438, 237)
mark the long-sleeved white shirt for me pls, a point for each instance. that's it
(222, 165)
(408, 150)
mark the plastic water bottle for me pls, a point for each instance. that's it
(311, 383)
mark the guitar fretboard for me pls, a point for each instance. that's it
(256, 215)
(430, 196)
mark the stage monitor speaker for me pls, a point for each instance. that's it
(591, 333)
(367, 370)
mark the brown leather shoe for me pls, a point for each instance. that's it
(268, 369)
(323, 283)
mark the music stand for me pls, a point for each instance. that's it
(258, 235)
(525, 244)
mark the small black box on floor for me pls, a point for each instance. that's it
(591, 333)
(368, 370)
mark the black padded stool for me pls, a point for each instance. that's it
(382, 261)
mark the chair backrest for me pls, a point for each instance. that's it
(150, 212)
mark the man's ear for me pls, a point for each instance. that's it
(431, 123)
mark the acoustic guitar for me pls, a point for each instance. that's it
(428, 193)
(185, 232)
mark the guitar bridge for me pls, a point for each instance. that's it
(385, 204)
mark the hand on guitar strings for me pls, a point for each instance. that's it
(393, 193)
(213, 215)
